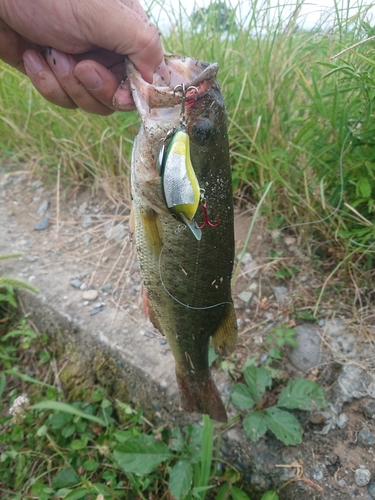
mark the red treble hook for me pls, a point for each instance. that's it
(206, 220)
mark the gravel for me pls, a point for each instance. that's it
(76, 283)
(41, 225)
(366, 438)
(90, 295)
(362, 477)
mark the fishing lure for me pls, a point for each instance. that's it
(180, 185)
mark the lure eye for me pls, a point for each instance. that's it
(201, 130)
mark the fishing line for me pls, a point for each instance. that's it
(179, 230)
(341, 175)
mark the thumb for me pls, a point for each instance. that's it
(127, 31)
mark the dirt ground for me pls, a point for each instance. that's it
(284, 278)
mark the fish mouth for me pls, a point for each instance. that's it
(149, 98)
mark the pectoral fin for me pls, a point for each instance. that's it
(225, 337)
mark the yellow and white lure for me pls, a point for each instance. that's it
(180, 185)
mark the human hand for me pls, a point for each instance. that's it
(89, 40)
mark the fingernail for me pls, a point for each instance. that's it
(90, 78)
(59, 62)
(33, 62)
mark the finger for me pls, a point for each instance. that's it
(63, 67)
(100, 82)
(45, 81)
(12, 47)
(130, 33)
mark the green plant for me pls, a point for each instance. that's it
(299, 394)
(7, 283)
(278, 338)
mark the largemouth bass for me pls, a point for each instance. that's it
(186, 276)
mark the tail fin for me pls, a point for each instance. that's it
(201, 396)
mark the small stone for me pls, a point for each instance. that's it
(368, 409)
(251, 266)
(105, 259)
(342, 421)
(341, 483)
(162, 341)
(371, 489)
(83, 286)
(31, 258)
(280, 291)
(317, 473)
(263, 358)
(321, 323)
(362, 477)
(86, 238)
(106, 287)
(366, 438)
(116, 233)
(97, 308)
(308, 353)
(43, 207)
(317, 417)
(245, 296)
(82, 208)
(149, 335)
(75, 283)
(86, 303)
(41, 225)
(86, 221)
(90, 295)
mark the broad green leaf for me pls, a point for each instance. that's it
(257, 379)
(76, 494)
(241, 397)
(65, 479)
(238, 494)
(270, 495)
(302, 394)
(91, 465)
(363, 188)
(64, 407)
(180, 479)
(68, 431)
(283, 425)
(224, 492)
(42, 431)
(230, 475)
(255, 425)
(141, 454)
(123, 436)
(176, 441)
(79, 444)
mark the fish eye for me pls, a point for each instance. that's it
(201, 130)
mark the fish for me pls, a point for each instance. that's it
(186, 276)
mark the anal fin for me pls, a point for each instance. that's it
(225, 337)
